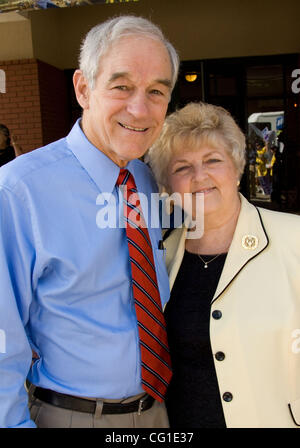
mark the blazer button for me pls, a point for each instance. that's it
(227, 396)
(220, 356)
(216, 314)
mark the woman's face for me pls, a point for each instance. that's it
(208, 170)
(3, 139)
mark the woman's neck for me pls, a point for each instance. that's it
(218, 233)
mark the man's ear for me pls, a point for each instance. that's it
(82, 90)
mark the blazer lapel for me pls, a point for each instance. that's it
(249, 240)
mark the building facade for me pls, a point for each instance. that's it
(243, 56)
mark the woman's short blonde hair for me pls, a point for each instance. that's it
(194, 125)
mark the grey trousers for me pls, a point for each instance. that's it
(48, 416)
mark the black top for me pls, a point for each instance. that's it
(193, 399)
(6, 155)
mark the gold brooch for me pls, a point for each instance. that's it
(249, 242)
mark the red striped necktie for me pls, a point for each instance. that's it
(155, 358)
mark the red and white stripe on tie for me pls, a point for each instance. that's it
(155, 358)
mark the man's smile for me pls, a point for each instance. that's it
(132, 128)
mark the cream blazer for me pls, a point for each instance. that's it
(258, 295)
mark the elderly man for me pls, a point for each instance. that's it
(84, 296)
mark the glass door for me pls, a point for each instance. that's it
(265, 123)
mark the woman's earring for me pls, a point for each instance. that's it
(238, 183)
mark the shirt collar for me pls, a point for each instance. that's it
(100, 168)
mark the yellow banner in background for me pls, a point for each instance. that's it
(25, 5)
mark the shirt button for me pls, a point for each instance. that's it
(216, 314)
(220, 356)
(227, 396)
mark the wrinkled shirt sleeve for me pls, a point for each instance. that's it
(17, 257)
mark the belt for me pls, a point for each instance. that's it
(83, 405)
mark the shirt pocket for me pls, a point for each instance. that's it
(162, 275)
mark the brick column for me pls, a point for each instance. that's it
(20, 108)
(35, 105)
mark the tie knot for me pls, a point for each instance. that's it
(126, 178)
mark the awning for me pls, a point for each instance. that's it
(25, 5)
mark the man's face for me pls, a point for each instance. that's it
(124, 113)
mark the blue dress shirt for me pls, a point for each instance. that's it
(65, 281)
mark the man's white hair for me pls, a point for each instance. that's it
(100, 38)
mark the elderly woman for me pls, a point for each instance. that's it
(233, 317)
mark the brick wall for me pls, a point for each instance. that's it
(35, 104)
(20, 107)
